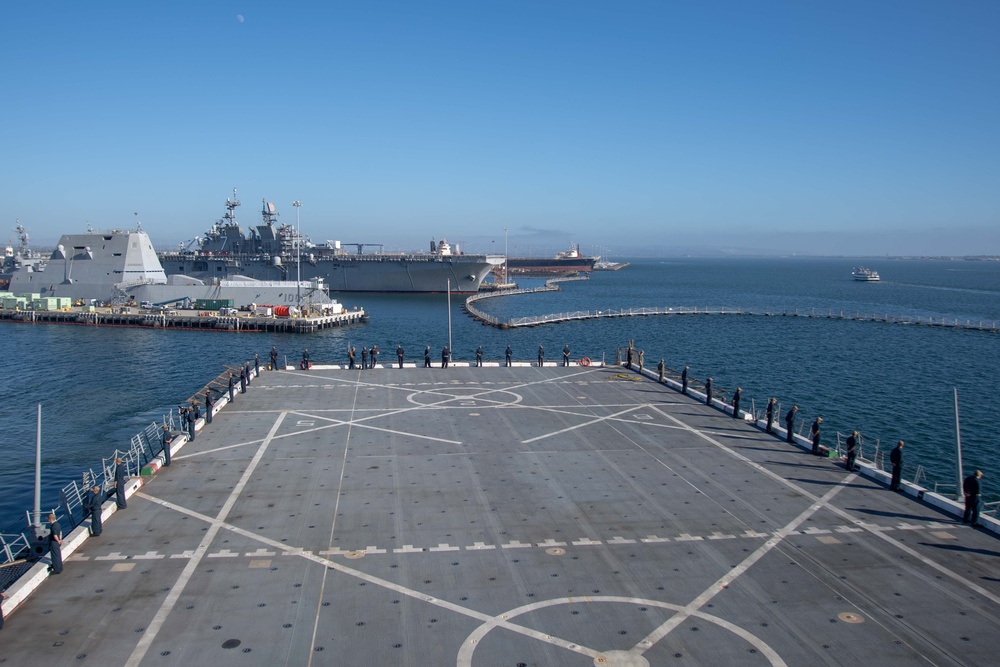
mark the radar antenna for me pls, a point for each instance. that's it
(22, 237)
(268, 212)
(138, 225)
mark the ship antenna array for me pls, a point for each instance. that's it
(138, 225)
(22, 235)
(231, 205)
(268, 212)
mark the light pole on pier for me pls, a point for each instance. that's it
(298, 257)
(505, 279)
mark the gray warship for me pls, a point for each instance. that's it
(278, 251)
(121, 266)
(16, 258)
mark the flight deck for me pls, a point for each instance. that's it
(513, 517)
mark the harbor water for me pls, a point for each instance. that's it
(100, 385)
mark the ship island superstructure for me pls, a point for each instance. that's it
(278, 251)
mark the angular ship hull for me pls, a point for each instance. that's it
(121, 266)
(91, 266)
(241, 293)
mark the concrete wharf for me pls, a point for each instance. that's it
(509, 516)
(186, 319)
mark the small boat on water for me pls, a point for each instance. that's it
(865, 275)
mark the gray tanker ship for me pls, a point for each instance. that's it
(273, 251)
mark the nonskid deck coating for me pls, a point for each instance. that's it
(493, 516)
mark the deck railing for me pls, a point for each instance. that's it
(18, 551)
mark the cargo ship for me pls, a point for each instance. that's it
(273, 251)
(567, 261)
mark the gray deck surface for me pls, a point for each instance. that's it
(494, 516)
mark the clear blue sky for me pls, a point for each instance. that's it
(857, 127)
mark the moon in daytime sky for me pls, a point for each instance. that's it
(239, 17)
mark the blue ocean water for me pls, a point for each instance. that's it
(98, 386)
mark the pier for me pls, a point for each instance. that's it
(185, 319)
(502, 516)
(813, 313)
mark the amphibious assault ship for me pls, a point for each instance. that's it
(273, 251)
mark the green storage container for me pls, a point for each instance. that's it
(212, 304)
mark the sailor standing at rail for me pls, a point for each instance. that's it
(736, 403)
(541, 356)
(896, 458)
(94, 503)
(120, 476)
(166, 438)
(274, 358)
(507, 354)
(243, 380)
(364, 357)
(305, 359)
(566, 354)
(852, 451)
(684, 380)
(373, 355)
(815, 435)
(190, 423)
(256, 364)
(427, 357)
(970, 487)
(479, 356)
(708, 391)
(232, 381)
(790, 424)
(399, 355)
(55, 545)
(351, 355)
(445, 356)
(659, 369)
(771, 402)
(209, 404)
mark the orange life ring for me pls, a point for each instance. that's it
(585, 361)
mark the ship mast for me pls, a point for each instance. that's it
(22, 239)
(231, 205)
